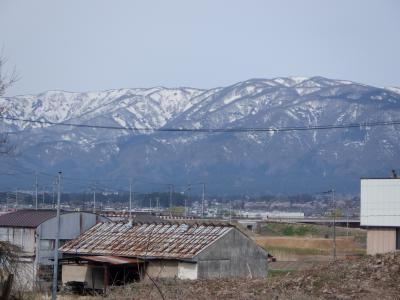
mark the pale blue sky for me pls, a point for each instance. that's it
(81, 45)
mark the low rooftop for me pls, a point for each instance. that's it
(138, 217)
(29, 218)
(173, 241)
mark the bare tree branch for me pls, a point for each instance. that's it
(6, 80)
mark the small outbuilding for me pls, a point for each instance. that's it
(380, 213)
(116, 252)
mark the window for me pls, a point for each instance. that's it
(398, 238)
(46, 244)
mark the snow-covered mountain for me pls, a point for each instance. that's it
(229, 162)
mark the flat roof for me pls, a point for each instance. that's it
(366, 178)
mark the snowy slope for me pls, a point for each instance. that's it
(252, 162)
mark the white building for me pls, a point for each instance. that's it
(380, 214)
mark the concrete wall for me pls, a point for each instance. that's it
(162, 269)
(233, 255)
(381, 240)
(93, 276)
(172, 269)
(187, 270)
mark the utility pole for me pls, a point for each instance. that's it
(170, 199)
(36, 192)
(43, 197)
(54, 191)
(94, 200)
(334, 224)
(130, 198)
(230, 211)
(57, 241)
(16, 199)
(202, 200)
(188, 198)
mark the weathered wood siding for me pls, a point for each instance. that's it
(381, 240)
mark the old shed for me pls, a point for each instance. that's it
(185, 251)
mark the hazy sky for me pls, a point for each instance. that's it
(81, 45)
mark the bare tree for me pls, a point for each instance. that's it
(6, 80)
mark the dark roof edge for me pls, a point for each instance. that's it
(366, 178)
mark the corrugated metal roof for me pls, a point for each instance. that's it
(137, 217)
(26, 218)
(174, 241)
(113, 260)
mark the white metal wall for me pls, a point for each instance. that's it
(380, 202)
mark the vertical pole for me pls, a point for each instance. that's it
(94, 200)
(16, 199)
(54, 191)
(105, 278)
(57, 240)
(334, 224)
(170, 199)
(36, 192)
(130, 198)
(43, 198)
(230, 210)
(188, 198)
(202, 200)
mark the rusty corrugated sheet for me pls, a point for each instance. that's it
(175, 241)
(137, 217)
(113, 260)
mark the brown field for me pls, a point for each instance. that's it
(343, 244)
(292, 248)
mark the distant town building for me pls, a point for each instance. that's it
(34, 233)
(117, 252)
(380, 213)
(136, 216)
(269, 214)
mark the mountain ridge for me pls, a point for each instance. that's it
(238, 162)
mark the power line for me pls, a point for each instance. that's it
(216, 130)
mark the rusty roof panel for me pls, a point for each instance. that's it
(137, 217)
(113, 260)
(175, 241)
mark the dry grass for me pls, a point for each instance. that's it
(307, 248)
(342, 244)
